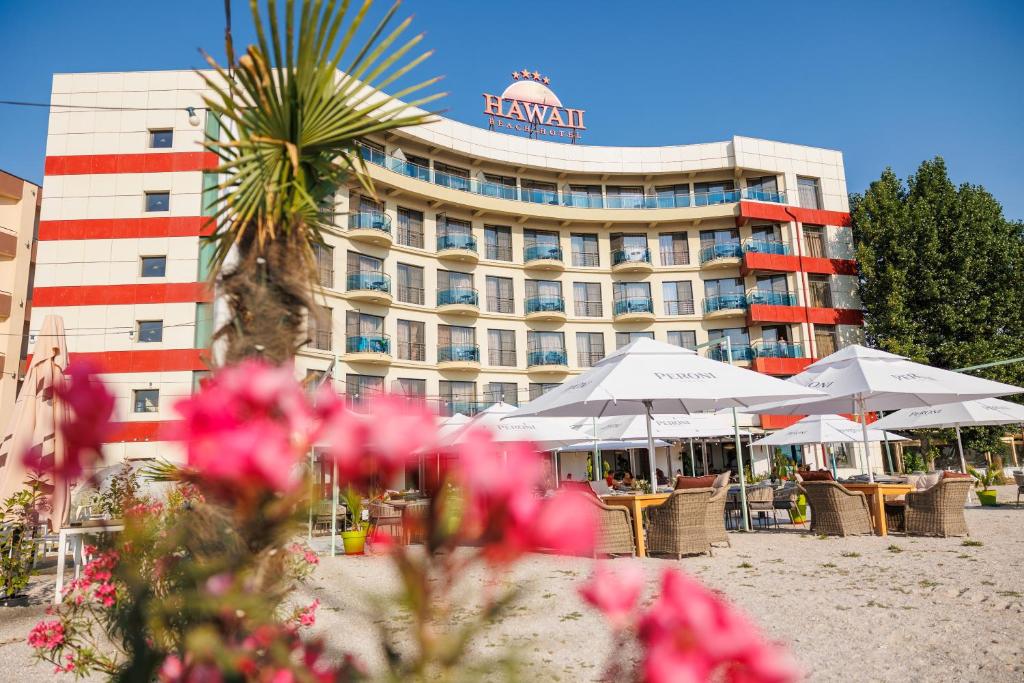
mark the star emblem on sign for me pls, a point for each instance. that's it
(525, 73)
(515, 75)
(536, 75)
(546, 80)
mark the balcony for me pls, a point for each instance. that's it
(543, 257)
(768, 255)
(535, 196)
(368, 348)
(759, 195)
(8, 244)
(632, 261)
(716, 197)
(723, 255)
(740, 352)
(634, 309)
(538, 362)
(779, 358)
(373, 227)
(464, 357)
(679, 307)
(545, 308)
(457, 247)
(458, 301)
(6, 301)
(371, 287)
(724, 305)
(777, 248)
(759, 297)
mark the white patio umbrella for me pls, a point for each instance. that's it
(823, 429)
(979, 413)
(546, 433)
(869, 379)
(651, 378)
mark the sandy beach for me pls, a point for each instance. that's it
(854, 609)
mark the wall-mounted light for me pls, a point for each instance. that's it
(193, 117)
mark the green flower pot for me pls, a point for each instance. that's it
(798, 514)
(354, 541)
(987, 498)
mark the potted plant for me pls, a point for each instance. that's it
(354, 538)
(20, 517)
(986, 496)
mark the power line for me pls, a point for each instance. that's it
(91, 107)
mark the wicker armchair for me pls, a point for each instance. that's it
(1018, 479)
(836, 511)
(615, 529)
(939, 510)
(786, 498)
(760, 500)
(385, 516)
(715, 523)
(679, 525)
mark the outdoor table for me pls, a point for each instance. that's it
(405, 506)
(876, 493)
(73, 536)
(635, 503)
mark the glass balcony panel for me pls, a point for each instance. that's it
(551, 357)
(463, 296)
(369, 220)
(378, 282)
(541, 304)
(721, 250)
(456, 241)
(536, 252)
(771, 298)
(759, 195)
(725, 302)
(779, 349)
(766, 247)
(458, 352)
(631, 255)
(634, 304)
(368, 343)
(739, 352)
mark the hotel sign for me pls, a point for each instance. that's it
(529, 106)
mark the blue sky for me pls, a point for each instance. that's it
(888, 83)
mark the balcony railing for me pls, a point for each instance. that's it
(411, 351)
(410, 295)
(779, 349)
(771, 298)
(758, 195)
(739, 352)
(464, 296)
(679, 307)
(589, 309)
(368, 343)
(456, 241)
(369, 220)
(724, 302)
(502, 357)
(713, 252)
(634, 304)
(587, 359)
(765, 247)
(537, 252)
(545, 304)
(372, 281)
(631, 256)
(535, 358)
(584, 200)
(585, 259)
(501, 304)
(447, 353)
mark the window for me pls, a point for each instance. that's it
(739, 341)
(684, 338)
(589, 348)
(499, 186)
(541, 244)
(814, 238)
(146, 400)
(765, 233)
(154, 266)
(500, 298)
(776, 283)
(539, 192)
(150, 331)
(544, 295)
(457, 397)
(158, 202)
(498, 242)
(623, 338)
(502, 392)
(324, 256)
(412, 388)
(457, 343)
(625, 196)
(632, 297)
(199, 378)
(451, 176)
(826, 341)
(538, 389)
(678, 297)
(411, 340)
(587, 299)
(362, 388)
(311, 382)
(771, 334)
(810, 192)
(819, 290)
(455, 288)
(453, 233)
(714, 192)
(501, 347)
(673, 196)
(203, 336)
(674, 248)
(410, 227)
(586, 196)
(763, 189)
(545, 348)
(724, 287)
(357, 263)
(318, 328)
(584, 251)
(629, 248)
(410, 284)
(726, 236)
(161, 139)
(416, 167)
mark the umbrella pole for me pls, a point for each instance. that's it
(650, 445)
(864, 433)
(888, 453)
(693, 462)
(960, 447)
(334, 507)
(743, 477)
(598, 470)
(704, 454)
(313, 498)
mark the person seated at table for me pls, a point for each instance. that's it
(660, 477)
(626, 484)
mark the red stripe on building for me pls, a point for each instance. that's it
(110, 295)
(835, 316)
(154, 360)
(788, 263)
(125, 228)
(132, 432)
(781, 366)
(760, 313)
(150, 162)
(782, 213)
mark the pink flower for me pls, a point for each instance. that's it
(615, 590)
(87, 428)
(566, 524)
(380, 542)
(46, 635)
(307, 615)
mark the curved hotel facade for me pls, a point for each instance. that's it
(489, 266)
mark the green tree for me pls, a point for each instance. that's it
(291, 122)
(940, 270)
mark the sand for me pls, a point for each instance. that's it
(853, 609)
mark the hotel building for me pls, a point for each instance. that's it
(488, 267)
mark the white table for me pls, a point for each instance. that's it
(74, 537)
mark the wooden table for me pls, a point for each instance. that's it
(876, 494)
(636, 503)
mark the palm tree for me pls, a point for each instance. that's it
(291, 121)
